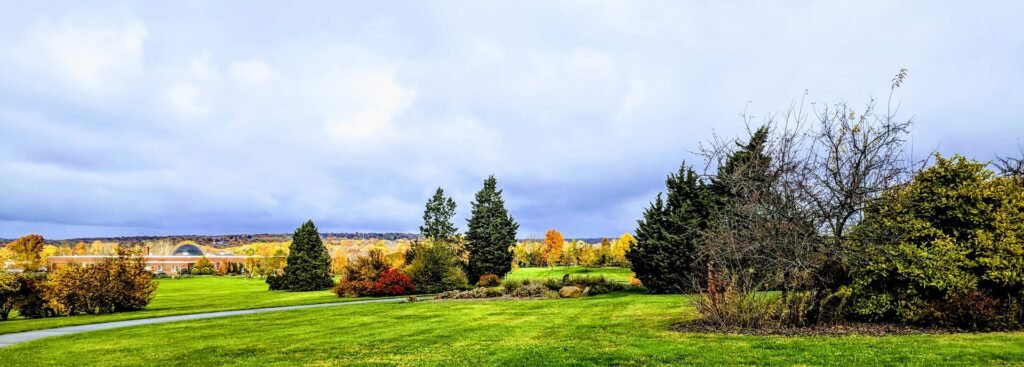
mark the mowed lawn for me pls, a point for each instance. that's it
(185, 296)
(209, 294)
(557, 272)
(612, 329)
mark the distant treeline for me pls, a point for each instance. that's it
(232, 240)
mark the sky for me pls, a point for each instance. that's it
(220, 117)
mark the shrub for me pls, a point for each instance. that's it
(943, 249)
(596, 284)
(368, 267)
(475, 293)
(489, 280)
(118, 284)
(435, 267)
(533, 290)
(353, 288)
(203, 266)
(276, 282)
(393, 282)
(510, 285)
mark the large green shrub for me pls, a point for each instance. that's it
(946, 248)
(435, 268)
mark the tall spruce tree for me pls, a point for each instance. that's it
(492, 231)
(309, 265)
(669, 235)
(437, 218)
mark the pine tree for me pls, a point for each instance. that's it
(669, 235)
(309, 265)
(492, 231)
(437, 218)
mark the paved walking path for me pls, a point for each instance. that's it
(8, 339)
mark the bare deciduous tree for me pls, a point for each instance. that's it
(784, 218)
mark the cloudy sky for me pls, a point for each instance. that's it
(240, 116)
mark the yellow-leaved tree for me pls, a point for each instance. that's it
(27, 251)
(619, 248)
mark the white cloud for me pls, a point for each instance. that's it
(253, 71)
(366, 103)
(173, 120)
(86, 53)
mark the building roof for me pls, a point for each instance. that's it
(187, 249)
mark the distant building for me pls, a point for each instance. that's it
(183, 257)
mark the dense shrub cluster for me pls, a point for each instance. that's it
(947, 248)
(370, 275)
(435, 267)
(814, 222)
(115, 285)
(118, 284)
(539, 288)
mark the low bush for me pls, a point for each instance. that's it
(489, 280)
(596, 284)
(391, 282)
(533, 290)
(510, 285)
(475, 293)
(353, 288)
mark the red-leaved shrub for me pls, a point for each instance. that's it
(393, 282)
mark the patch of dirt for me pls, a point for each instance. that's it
(865, 329)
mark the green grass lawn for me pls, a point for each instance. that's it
(189, 295)
(612, 329)
(558, 272)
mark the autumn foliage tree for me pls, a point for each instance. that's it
(203, 266)
(553, 244)
(120, 283)
(27, 251)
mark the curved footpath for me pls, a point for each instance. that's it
(14, 338)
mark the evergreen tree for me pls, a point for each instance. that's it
(308, 266)
(669, 235)
(746, 170)
(437, 218)
(492, 231)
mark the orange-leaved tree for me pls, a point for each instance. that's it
(553, 242)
